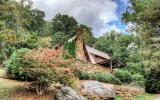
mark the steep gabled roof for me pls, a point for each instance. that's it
(96, 56)
(97, 52)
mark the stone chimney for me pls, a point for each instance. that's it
(80, 46)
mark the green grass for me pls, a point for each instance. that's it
(145, 97)
(5, 89)
(142, 97)
(2, 71)
(117, 98)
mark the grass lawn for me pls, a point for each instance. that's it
(6, 90)
(15, 90)
(6, 86)
(2, 71)
(145, 97)
(142, 97)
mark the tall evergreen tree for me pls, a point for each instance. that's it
(145, 14)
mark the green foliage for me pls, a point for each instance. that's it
(116, 45)
(20, 16)
(83, 75)
(44, 42)
(67, 80)
(124, 76)
(7, 13)
(145, 15)
(65, 27)
(15, 64)
(69, 47)
(59, 38)
(145, 97)
(64, 23)
(101, 77)
(38, 22)
(43, 78)
(152, 83)
(8, 36)
(30, 40)
(138, 80)
(135, 67)
(106, 78)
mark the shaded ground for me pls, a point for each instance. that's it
(16, 90)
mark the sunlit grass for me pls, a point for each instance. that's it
(2, 71)
(145, 97)
(5, 88)
(142, 97)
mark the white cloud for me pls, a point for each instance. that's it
(108, 28)
(94, 13)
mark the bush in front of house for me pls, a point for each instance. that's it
(138, 80)
(43, 78)
(106, 78)
(15, 64)
(40, 67)
(152, 83)
(101, 77)
(124, 76)
(83, 75)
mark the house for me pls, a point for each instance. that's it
(89, 54)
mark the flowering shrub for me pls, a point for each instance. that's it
(43, 66)
(48, 57)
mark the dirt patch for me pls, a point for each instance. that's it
(24, 94)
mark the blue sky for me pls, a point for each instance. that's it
(122, 6)
(101, 15)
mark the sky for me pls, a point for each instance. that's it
(101, 15)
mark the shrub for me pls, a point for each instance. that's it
(82, 75)
(106, 78)
(124, 76)
(101, 77)
(40, 66)
(59, 38)
(44, 42)
(27, 40)
(8, 36)
(138, 80)
(15, 64)
(134, 68)
(152, 83)
(69, 50)
(41, 75)
(42, 78)
(8, 40)
(68, 80)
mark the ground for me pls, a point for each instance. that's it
(16, 90)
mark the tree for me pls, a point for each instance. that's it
(145, 14)
(64, 27)
(7, 13)
(64, 23)
(115, 44)
(37, 22)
